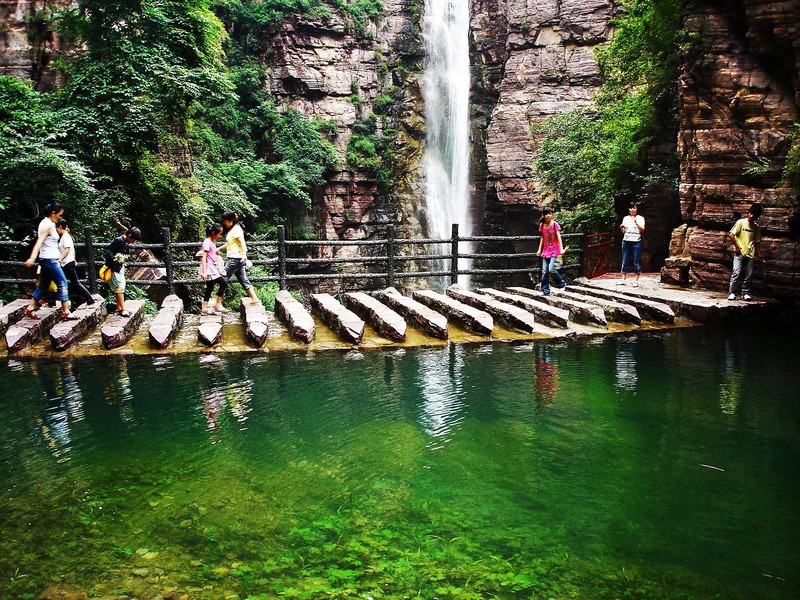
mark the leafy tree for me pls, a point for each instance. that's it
(34, 169)
(141, 69)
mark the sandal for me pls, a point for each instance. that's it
(30, 314)
(123, 313)
(68, 316)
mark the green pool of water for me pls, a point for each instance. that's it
(660, 465)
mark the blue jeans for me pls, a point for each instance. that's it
(631, 249)
(742, 265)
(549, 268)
(51, 272)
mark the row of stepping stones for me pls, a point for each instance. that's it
(388, 311)
(520, 309)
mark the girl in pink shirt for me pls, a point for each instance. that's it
(550, 248)
(212, 270)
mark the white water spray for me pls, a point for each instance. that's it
(446, 162)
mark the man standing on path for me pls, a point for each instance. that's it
(746, 238)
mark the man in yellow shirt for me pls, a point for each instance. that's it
(746, 238)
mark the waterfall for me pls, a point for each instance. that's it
(446, 89)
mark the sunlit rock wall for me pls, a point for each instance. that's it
(740, 94)
(532, 60)
(27, 44)
(326, 70)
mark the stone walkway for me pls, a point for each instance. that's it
(596, 307)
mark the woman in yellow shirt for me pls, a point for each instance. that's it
(236, 252)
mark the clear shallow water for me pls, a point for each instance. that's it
(661, 465)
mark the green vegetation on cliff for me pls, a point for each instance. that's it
(164, 117)
(592, 158)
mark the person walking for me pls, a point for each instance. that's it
(236, 252)
(67, 259)
(632, 229)
(116, 254)
(45, 251)
(550, 248)
(212, 270)
(746, 238)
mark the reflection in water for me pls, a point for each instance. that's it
(62, 409)
(730, 390)
(441, 384)
(545, 376)
(117, 390)
(222, 389)
(625, 364)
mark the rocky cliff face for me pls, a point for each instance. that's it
(327, 71)
(27, 44)
(532, 60)
(740, 94)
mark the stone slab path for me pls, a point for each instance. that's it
(255, 328)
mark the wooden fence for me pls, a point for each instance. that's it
(379, 262)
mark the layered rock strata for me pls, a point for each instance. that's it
(740, 95)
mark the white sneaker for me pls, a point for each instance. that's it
(635, 284)
(747, 297)
(732, 297)
(621, 282)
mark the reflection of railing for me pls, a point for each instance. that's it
(279, 258)
(597, 258)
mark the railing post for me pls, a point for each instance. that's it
(390, 255)
(454, 255)
(167, 243)
(281, 257)
(582, 262)
(91, 269)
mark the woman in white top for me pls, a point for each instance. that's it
(46, 251)
(67, 259)
(236, 252)
(632, 229)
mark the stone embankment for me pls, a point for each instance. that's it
(383, 319)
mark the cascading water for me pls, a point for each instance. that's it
(447, 80)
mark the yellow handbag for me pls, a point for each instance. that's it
(105, 273)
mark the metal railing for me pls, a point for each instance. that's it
(288, 261)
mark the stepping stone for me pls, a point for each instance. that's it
(509, 315)
(28, 331)
(65, 333)
(347, 325)
(209, 332)
(420, 316)
(166, 323)
(580, 312)
(615, 311)
(468, 317)
(117, 330)
(387, 322)
(549, 315)
(12, 312)
(294, 315)
(657, 311)
(256, 321)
